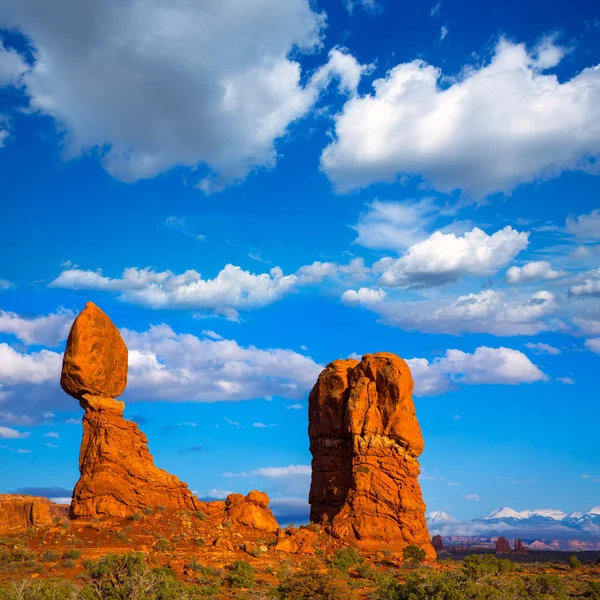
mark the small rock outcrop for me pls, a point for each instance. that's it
(18, 513)
(251, 510)
(365, 441)
(437, 543)
(118, 475)
(502, 545)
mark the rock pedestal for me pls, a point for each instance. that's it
(502, 546)
(118, 475)
(437, 543)
(365, 441)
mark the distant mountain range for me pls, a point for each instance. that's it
(541, 524)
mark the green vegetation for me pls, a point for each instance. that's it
(240, 574)
(574, 562)
(414, 555)
(344, 558)
(310, 584)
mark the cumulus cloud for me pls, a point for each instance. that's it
(585, 226)
(472, 497)
(541, 348)
(503, 366)
(589, 286)
(364, 296)
(446, 257)
(4, 283)
(45, 330)
(151, 86)
(593, 345)
(34, 368)
(370, 6)
(496, 125)
(164, 365)
(488, 311)
(231, 290)
(532, 271)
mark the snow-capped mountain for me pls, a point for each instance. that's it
(546, 522)
(439, 517)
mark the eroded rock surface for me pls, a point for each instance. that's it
(118, 475)
(251, 510)
(18, 513)
(365, 441)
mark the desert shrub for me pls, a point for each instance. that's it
(592, 590)
(344, 558)
(161, 545)
(49, 556)
(310, 584)
(414, 555)
(476, 566)
(72, 554)
(67, 563)
(544, 586)
(240, 574)
(16, 557)
(38, 590)
(200, 515)
(574, 562)
(135, 517)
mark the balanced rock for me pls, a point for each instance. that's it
(437, 543)
(18, 513)
(365, 441)
(118, 475)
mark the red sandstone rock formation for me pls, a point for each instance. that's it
(502, 546)
(437, 543)
(251, 510)
(365, 441)
(19, 513)
(118, 475)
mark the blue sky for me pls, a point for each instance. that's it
(252, 192)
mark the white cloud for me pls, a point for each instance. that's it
(474, 497)
(154, 85)
(12, 66)
(585, 226)
(275, 472)
(587, 326)
(52, 434)
(593, 345)
(443, 32)
(164, 365)
(541, 348)
(218, 494)
(503, 366)
(566, 380)
(532, 271)
(46, 330)
(316, 272)
(35, 368)
(485, 312)
(590, 285)
(295, 407)
(263, 425)
(494, 126)
(446, 257)
(395, 225)
(436, 10)
(231, 290)
(4, 283)
(6, 433)
(364, 296)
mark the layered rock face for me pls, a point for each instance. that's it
(502, 546)
(118, 475)
(365, 440)
(18, 513)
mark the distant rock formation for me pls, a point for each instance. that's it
(437, 543)
(365, 440)
(518, 546)
(502, 545)
(118, 475)
(18, 513)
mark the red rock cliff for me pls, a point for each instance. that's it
(365, 441)
(18, 513)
